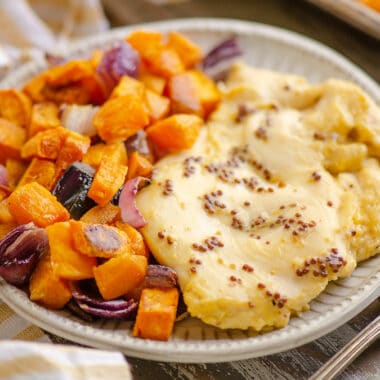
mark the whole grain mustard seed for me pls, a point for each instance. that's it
(316, 176)
(247, 268)
(161, 234)
(329, 203)
(260, 285)
(168, 187)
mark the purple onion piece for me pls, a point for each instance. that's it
(138, 143)
(20, 251)
(110, 314)
(225, 50)
(89, 301)
(91, 298)
(118, 60)
(160, 276)
(3, 176)
(79, 118)
(127, 202)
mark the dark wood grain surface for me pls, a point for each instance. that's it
(304, 18)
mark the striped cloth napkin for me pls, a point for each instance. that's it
(29, 29)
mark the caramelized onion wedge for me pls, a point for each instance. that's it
(160, 276)
(127, 202)
(94, 305)
(20, 250)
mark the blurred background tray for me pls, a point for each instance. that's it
(353, 12)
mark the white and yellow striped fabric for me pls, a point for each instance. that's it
(29, 28)
(26, 353)
(36, 361)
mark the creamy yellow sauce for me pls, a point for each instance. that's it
(279, 195)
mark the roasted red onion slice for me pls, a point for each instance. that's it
(127, 202)
(118, 60)
(20, 251)
(138, 143)
(90, 302)
(217, 62)
(160, 276)
(3, 176)
(79, 118)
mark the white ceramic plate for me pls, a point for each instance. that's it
(193, 341)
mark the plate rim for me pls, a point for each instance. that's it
(197, 351)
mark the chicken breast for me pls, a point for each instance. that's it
(278, 197)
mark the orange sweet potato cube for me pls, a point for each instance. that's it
(5, 228)
(156, 313)
(15, 170)
(5, 215)
(158, 106)
(73, 149)
(164, 62)
(45, 144)
(153, 82)
(176, 132)
(40, 171)
(4, 192)
(110, 174)
(207, 91)
(107, 214)
(47, 288)
(66, 261)
(138, 166)
(44, 116)
(11, 139)
(128, 86)
(136, 240)
(120, 118)
(94, 154)
(145, 41)
(189, 52)
(193, 92)
(15, 106)
(72, 71)
(34, 88)
(120, 275)
(99, 240)
(34, 203)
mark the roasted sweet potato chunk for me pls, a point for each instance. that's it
(45, 144)
(95, 154)
(107, 214)
(67, 262)
(153, 82)
(164, 62)
(15, 170)
(135, 239)
(193, 92)
(176, 132)
(138, 165)
(128, 86)
(120, 275)
(34, 203)
(15, 106)
(11, 139)
(189, 52)
(156, 313)
(145, 40)
(35, 87)
(5, 228)
(73, 149)
(110, 174)
(5, 215)
(121, 118)
(158, 106)
(44, 116)
(99, 240)
(41, 171)
(47, 288)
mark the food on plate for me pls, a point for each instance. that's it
(278, 196)
(374, 4)
(251, 193)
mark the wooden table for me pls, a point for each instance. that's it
(306, 19)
